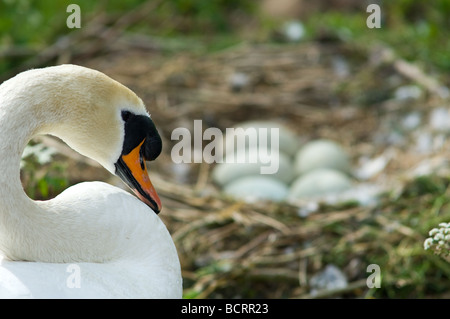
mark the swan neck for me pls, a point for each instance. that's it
(20, 120)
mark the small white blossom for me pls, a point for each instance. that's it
(428, 243)
(433, 232)
(439, 240)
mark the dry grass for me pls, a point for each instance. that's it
(234, 249)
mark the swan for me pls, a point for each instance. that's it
(93, 240)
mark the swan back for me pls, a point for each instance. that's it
(130, 250)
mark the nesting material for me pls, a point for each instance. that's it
(233, 249)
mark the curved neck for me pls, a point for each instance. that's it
(35, 230)
(82, 224)
(19, 122)
(88, 222)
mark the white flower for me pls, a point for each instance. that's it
(428, 243)
(433, 232)
(439, 240)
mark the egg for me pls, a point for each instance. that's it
(319, 182)
(226, 172)
(251, 188)
(321, 154)
(287, 141)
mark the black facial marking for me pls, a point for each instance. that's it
(138, 128)
(126, 115)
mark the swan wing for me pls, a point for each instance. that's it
(47, 280)
(146, 265)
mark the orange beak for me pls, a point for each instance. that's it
(132, 170)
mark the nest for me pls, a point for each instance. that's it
(232, 249)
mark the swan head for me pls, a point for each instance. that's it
(99, 118)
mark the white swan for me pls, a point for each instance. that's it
(93, 240)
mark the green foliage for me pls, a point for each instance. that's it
(426, 185)
(408, 269)
(29, 26)
(42, 178)
(207, 16)
(417, 30)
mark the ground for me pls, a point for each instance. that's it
(390, 115)
(319, 90)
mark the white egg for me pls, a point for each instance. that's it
(319, 182)
(252, 188)
(287, 141)
(229, 170)
(321, 154)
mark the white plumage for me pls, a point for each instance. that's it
(93, 240)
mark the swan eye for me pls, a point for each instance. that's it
(126, 115)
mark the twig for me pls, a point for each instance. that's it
(333, 292)
(413, 72)
(219, 217)
(272, 222)
(285, 258)
(251, 245)
(274, 273)
(202, 178)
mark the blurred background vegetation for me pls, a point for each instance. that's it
(34, 34)
(417, 29)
